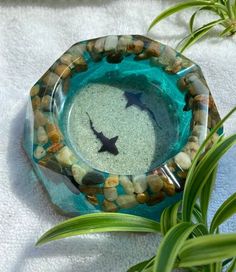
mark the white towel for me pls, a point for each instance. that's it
(33, 34)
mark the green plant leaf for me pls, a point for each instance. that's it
(226, 31)
(187, 201)
(207, 249)
(170, 245)
(202, 173)
(225, 211)
(141, 266)
(198, 34)
(169, 217)
(197, 213)
(177, 8)
(99, 222)
(206, 194)
(230, 9)
(232, 267)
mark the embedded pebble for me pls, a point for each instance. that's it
(140, 184)
(169, 188)
(196, 86)
(53, 133)
(109, 206)
(80, 63)
(115, 57)
(93, 178)
(65, 156)
(200, 132)
(34, 90)
(183, 160)
(156, 198)
(127, 185)
(39, 119)
(62, 70)
(142, 198)
(66, 59)
(193, 139)
(168, 56)
(77, 49)
(110, 193)
(138, 46)
(154, 50)
(155, 183)
(112, 181)
(99, 45)
(36, 101)
(50, 79)
(191, 149)
(39, 152)
(45, 102)
(92, 199)
(78, 173)
(124, 42)
(90, 190)
(111, 43)
(42, 135)
(126, 201)
(54, 147)
(200, 117)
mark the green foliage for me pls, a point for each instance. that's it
(187, 240)
(225, 10)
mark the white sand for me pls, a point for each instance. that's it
(141, 144)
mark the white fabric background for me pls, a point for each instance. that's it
(32, 35)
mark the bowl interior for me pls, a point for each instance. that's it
(135, 102)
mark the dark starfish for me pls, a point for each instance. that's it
(135, 99)
(107, 144)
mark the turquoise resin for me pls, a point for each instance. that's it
(132, 63)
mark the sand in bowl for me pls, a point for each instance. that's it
(143, 142)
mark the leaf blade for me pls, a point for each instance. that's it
(99, 222)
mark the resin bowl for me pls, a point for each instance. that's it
(114, 125)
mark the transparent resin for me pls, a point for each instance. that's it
(114, 125)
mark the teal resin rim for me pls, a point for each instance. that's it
(49, 149)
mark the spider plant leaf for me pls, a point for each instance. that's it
(199, 33)
(207, 249)
(216, 267)
(99, 222)
(230, 9)
(206, 194)
(141, 266)
(170, 245)
(225, 211)
(187, 201)
(177, 8)
(197, 213)
(232, 267)
(202, 173)
(226, 31)
(169, 217)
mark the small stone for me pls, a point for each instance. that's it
(138, 46)
(42, 135)
(45, 102)
(34, 90)
(169, 188)
(193, 139)
(93, 178)
(153, 49)
(62, 70)
(200, 117)
(168, 56)
(140, 184)
(66, 59)
(78, 173)
(39, 152)
(99, 45)
(156, 198)
(77, 49)
(124, 42)
(39, 119)
(110, 193)
(112, 181)
(65, 156)
(92, 199)
(199, 131)
(182, 84)
(53, 133)
(183, 160)
(51, 163)
(126, 201)
(111, 43)
(142, 198)
(115, 57)
(127, 185)
(80, 64)
(155, 183)
(54, 147)
(109, 206)
(50, 79)
(90, 190)
(191, 149)
(196, 86)
(182, 174)
(36, 102)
